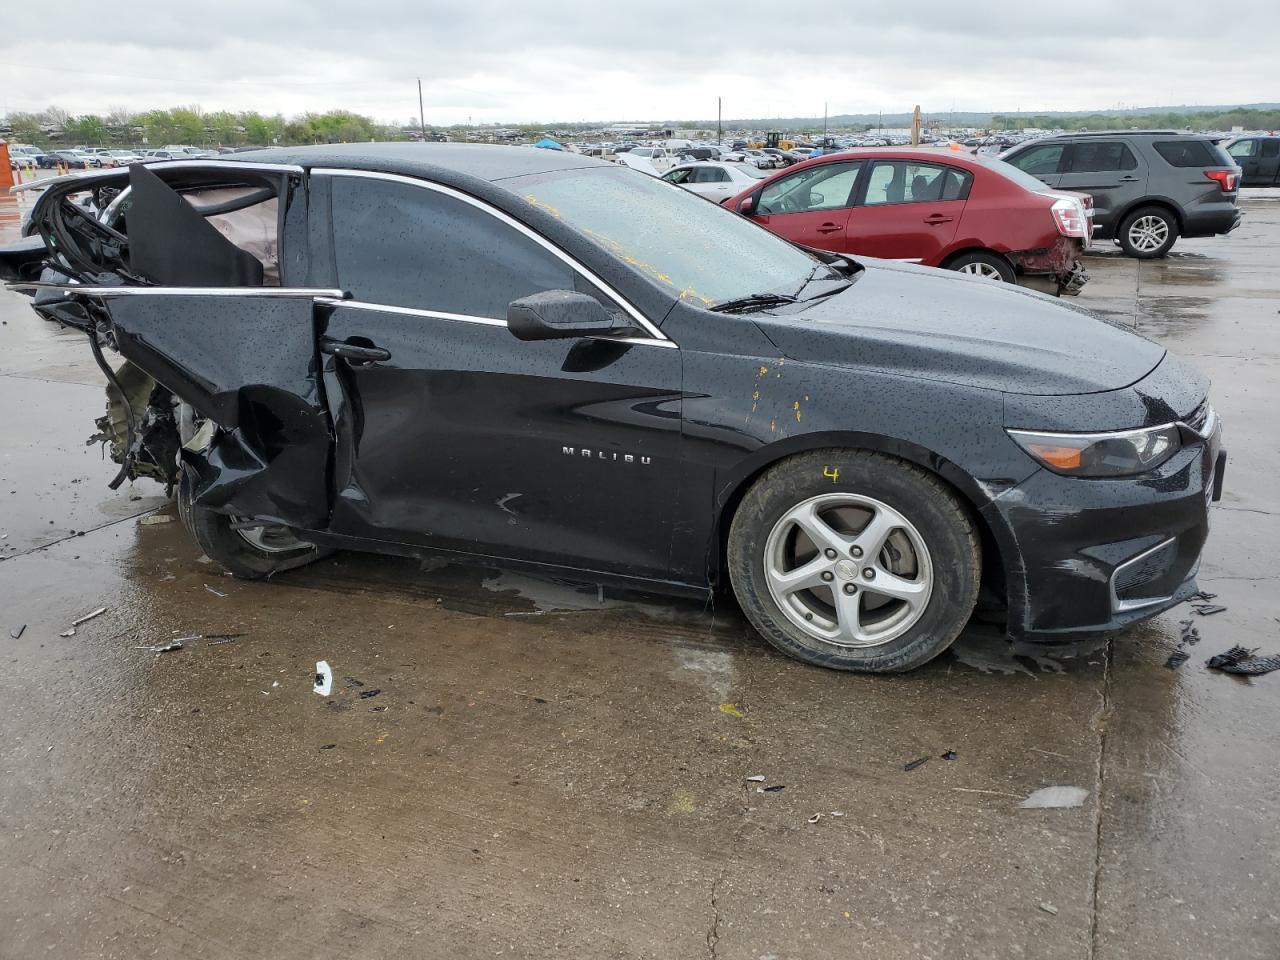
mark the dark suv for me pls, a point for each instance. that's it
(1148, 187)
(1258, 157)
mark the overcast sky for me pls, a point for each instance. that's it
(545, 60)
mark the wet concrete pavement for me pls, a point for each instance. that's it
(544, 774)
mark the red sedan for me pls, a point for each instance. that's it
(942, 209)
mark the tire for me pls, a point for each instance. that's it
(979, 263)
(1148, 233)
(921, 534)
(251, 554)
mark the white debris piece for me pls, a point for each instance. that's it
(324, 678)
(1048, 798)
(155, 518)
(85, 619)
(756, 779)
(815, 818)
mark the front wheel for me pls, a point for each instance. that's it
(854, 560)
(1148, 233)
(989, 266)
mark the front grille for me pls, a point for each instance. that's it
(1198, 417)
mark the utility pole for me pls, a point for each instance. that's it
(719, 116)
(422, 116)
(824, 124)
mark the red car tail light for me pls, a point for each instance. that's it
(1071, 218)
(1226, 179)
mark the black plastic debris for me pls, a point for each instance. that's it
(918, 762)
(1202, 596)
(1207, 609)
(774, 789)
(950, 755)
(369, 694)
(354, 682)
(1242, 662)
(328, 746)
(1177, 659)
(1190, 634)
(16, 632)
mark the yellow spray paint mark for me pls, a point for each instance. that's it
(382, 737)
(773, 426)
(732, 710)
(682, 801)
(796, 406)
(763, 371)
(833, 474)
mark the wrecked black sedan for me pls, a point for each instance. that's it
(533, 358)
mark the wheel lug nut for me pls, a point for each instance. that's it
(808, 616)
(830, 554)
(851, 588)
(828, 576)
(856, 552)
(869, 574)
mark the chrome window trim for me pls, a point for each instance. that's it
(1124, 606)
(105, 173)
(626, 306)
(468, 318)
(280, 292)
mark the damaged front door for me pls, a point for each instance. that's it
(245, 361)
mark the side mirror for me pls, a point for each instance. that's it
(559, 315)
(747, 206)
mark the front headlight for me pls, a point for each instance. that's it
(1119, 454)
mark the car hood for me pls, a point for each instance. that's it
(938, 325)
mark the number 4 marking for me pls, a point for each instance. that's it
(833, 474)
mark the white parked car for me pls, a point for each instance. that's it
(654, 161)
(713, 179)
(761, 161)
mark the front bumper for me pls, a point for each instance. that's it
(1094, 556)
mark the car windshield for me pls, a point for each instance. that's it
(1009, 171)
(700, 250)
(751, 171)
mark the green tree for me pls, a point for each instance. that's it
(89, 130)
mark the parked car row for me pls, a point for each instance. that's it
(97, 157)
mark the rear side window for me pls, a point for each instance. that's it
(1101, 157)
(1039, 161)
(1270, 148)
(1187, 153)
(896, 181)
(407, 246)
(1244, 148)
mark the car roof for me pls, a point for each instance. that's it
(1112, 134)
(434, 161)
(899, 153)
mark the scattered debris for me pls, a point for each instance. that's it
(1207, 609)
(1242, 662)
(756, 779)
(219, 638)
(1190, 633)
(918, 762)
(155, 518)
(1202, 596)
(1048, 908)
(216, 593)
(1177, 659)
(775, 788)
(732, 711)
(369, 694)
(328, 746)
(837, 813)
(16, 632)
(354, 682)
(324, 678)
(169, 647)
(950, 755)
(815, 818)
(85, 619)
(1054, 798)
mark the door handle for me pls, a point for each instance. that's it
(829, 228)
(354, 352)
(936, 218)
(1128, 179)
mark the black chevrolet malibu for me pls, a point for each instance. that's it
(533, 358)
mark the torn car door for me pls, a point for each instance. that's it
(247, 361)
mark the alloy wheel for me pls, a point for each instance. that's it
(1148, 234)
(979, 269)
(848, 570)
(267, 537)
